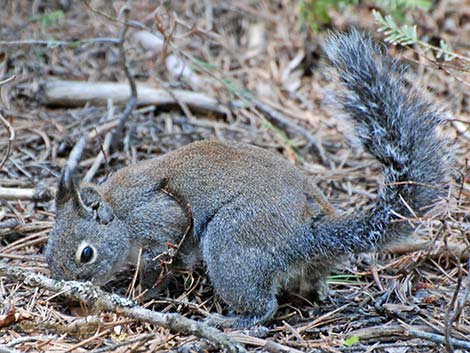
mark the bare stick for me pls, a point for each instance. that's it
(102, 154)
(267, 344)
(434, 248)
(11, 137)
(5, 81)
(101, 300)
(99, 159)
(450, 315)
(4, 349)
(37, 194)
(74, 159)
(78, 93)
(26, 339)
(58, 43)
(209, 13)
(102, 129)
(461, 128)
(433, 337)
(92, 9)
(9, 223)
(115, 346)
(132, 101)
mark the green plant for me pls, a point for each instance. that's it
(315, 12)
(351, 341)
(407, 35)
(398, 8)
(394, 26)
(51, 19)
(283, 136)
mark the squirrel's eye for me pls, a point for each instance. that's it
(87, 254)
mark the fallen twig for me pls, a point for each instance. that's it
(11, 78)
(455, 307)
(74, 159)
(461, 128)
(434, 337)
(93, 296)
(435, 249)
(141, 340)
(375, 332)
(11, 136)
(321, 318)
(104, 150)
(4, 349)
(451, 314)
(132, 101)
(78, 93)
(268, 345)
(57, 43)
(9, 223)
(21, 340)
(39, 193)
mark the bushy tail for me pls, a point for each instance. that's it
(397, 125)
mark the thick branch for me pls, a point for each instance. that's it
(78, 93)
(92, 295)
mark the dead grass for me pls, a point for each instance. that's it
(255, 49)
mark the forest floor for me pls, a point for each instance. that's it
(238, 70)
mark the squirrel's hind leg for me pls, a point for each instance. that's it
(244, 279)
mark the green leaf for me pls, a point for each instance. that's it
(404, 35)
(350, 341)
(445, 51)
(236, 91)
(202, 64)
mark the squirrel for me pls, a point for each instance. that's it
(251, 217)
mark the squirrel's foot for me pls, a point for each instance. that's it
(149, 294)
(235, 321)
(315, 291)
(322, 290)
(219, 321)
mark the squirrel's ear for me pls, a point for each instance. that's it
(94, 201)
(90, 196)
(67, 189)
